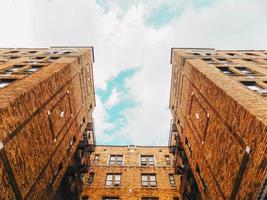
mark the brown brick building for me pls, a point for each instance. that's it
(131, 173)
(217, 145)
(219, 133)
(46, 102)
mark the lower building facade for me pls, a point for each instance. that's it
(131, 173)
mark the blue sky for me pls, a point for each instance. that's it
(132, 41)
(159, 12)
(116, 108)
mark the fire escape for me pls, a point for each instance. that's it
(188, 188)
(71, 185)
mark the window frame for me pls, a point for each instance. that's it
(110, 198)
(148, 180)
(96, 158)
(91, 178)
(85, 197)
(226, 70)
(255, 87)
(150, 198)
(145, 160)
(168, 161)
(245, 71)
(4, 82)
(172, 180)
(113, 182)
(117, 161)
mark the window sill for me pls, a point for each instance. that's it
(144, 187)
(106, 186)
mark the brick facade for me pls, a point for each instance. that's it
(217, 144)
(218, 103)
(131, 170)
(46, 104)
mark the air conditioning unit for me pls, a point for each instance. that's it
(131, 147)
(263, 92)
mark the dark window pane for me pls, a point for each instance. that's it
(245, 70)
(226, 70)
(5, 82)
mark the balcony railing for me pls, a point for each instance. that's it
(172, 137)
(88, 141)
(92, 140)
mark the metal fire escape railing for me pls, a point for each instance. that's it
(88, 141)
(172, 137)
(92, 142)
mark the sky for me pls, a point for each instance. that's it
(132, 40)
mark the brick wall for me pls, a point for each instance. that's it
(43, 114)
(130, 188)
(221, 123)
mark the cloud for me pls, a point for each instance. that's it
(100, 118)
(134, 34)
(115, 101)
(114, 98)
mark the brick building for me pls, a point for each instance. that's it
(46, 128)
(131, 173)
(217, 144)
(218, 134)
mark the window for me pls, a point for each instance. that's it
(34, 68)
(116, 160)
(60, 167)
(175, 198)
(54, 58)
(249, 60)
(40, 58)
(167, 159)
(96, 159)
(245, 70)
(13, 57)
(14, 51)
(226, 70)
(5, 82)
(85, 197)
(232, 54)
(149, 180)
(188, 146)
(172, 180)
(150, 198)
(110, 198)
(147, 160)
(15, 68)
(201, 177)
(113, 180)
(179, 170)
(251, 54)
(223, 60)
(91, 178)
(252, 85)
(209, 60)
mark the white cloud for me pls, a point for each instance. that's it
(122, 40)
(113, 99)
(100, 118)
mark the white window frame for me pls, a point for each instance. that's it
(147, 160)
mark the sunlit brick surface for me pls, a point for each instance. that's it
(219, 108)
(131, 170)
(46, 101)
